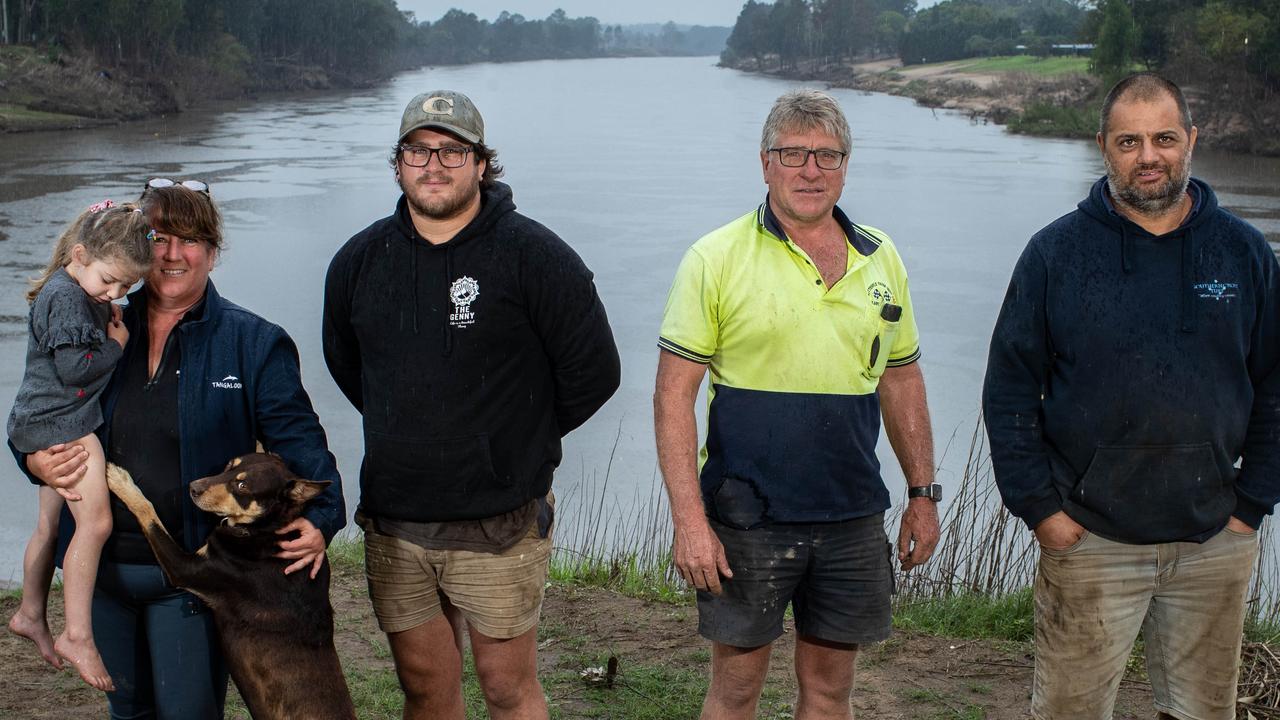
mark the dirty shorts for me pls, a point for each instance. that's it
(837, 576)
(499, 594)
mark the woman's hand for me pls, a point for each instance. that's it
(307, 549)
(61, 467)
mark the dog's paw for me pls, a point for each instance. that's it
(120, 481)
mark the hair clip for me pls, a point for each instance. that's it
(104, 205)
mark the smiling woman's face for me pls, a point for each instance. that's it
(180, 272)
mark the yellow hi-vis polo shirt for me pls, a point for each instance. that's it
(793, 413)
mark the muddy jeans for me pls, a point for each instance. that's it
(1187, 598)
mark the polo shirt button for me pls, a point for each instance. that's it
(817, 282)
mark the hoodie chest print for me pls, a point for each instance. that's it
(1216, 290)
(462, 293)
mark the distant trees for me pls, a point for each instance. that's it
(834, 30)
(1117, 43)
(231, 42)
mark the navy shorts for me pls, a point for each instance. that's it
(838, 578)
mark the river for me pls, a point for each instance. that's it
(630, 161)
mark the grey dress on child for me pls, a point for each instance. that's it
(69, 361)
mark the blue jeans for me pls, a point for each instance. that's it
(160, 646)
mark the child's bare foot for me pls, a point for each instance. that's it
(83, 654)
(36, 630)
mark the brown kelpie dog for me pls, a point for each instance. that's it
(276, 629)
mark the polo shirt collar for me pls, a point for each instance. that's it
(860, 240)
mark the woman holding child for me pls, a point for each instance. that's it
(200, 381)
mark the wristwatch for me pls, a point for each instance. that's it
(933, 492)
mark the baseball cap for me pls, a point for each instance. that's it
(444, 110)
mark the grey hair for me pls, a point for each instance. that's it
(801, 110)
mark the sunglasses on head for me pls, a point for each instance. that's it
(196, 185)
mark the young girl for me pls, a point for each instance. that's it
(76, 338)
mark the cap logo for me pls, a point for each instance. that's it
(438, 105)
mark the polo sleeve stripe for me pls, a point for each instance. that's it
(899, 362)
(683, 352)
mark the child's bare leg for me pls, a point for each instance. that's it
(30, 620)
(80, 568)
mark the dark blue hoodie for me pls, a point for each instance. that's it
(1132, 378)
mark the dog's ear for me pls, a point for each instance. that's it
(304, 490)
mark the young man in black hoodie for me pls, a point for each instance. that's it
(471, 339)
(1133, 407)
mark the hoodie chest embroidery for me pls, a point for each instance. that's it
(1217, 290)
(462, 293)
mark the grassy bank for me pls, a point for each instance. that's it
(961, 647)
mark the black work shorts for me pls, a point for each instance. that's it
(838, 578)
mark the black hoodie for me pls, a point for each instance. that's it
(469, 360)
(1129, 373)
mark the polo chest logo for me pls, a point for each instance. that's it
(463, 292)
(1217, 290)
(230, 382)
(879, 293)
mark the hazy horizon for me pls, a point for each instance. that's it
(683, 12)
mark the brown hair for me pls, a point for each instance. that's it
(118, 233)
(480, 151)
(181, 211)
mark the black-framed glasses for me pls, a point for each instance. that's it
(798, 156)
(196, 185)
(451, 156)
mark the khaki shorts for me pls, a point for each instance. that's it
(499, 595)
(1188, 600)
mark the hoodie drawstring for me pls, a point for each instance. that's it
(1126, 249)
(413, 263)
(448, 279)
(1187, 316)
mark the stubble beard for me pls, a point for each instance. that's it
(1154, 202)
(442, 207)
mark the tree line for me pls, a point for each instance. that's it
(790, 31)
(1229, 41)
(243, 42)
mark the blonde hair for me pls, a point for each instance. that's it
(804, 110)
(108, 232)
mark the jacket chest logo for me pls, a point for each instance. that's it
(463, 292)
(1217, 290)
(230, 382)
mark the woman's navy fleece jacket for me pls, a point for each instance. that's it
(1132, 378)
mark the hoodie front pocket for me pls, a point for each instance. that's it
(1153, 493)
(403, 477)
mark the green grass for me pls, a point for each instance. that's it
(1044, 119)
(1262, 631)
(1008, 617)
(627, 573)
(1058, 65)
(18, 113)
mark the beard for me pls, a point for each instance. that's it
(1150, 201)
(439, 207)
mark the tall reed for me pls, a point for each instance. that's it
(985, 550)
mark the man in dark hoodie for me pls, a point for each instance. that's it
(471, 339)
(1133, 408)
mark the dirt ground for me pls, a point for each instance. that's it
(908, 677)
